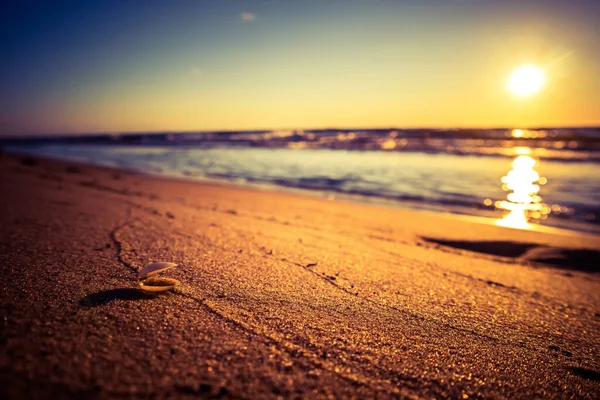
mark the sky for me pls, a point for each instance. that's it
(193, 65)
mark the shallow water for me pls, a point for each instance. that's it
(470, 184)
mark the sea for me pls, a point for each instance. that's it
(520, 178)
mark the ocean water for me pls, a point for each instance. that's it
(544, 183)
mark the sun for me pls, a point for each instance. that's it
(526, 80)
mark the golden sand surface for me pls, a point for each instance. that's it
(281, 295)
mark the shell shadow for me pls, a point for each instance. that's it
(106, 296)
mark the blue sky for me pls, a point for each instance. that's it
(87, 66)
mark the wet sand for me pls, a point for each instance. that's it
(281, 296)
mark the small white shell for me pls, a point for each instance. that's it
(158, 284)
(155, 268)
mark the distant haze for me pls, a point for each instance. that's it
(117, 66)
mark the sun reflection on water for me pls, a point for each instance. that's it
(523, 203)
(517, 133)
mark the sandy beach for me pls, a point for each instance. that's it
(282, 296)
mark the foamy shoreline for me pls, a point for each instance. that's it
(443, 183)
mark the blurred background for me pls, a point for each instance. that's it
(473, 107)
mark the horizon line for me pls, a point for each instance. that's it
(158, 132)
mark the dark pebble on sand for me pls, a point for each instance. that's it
(189, 389)
(586, 373)
(72, 169)
(28, 161)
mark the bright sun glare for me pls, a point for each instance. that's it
(526, 80)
